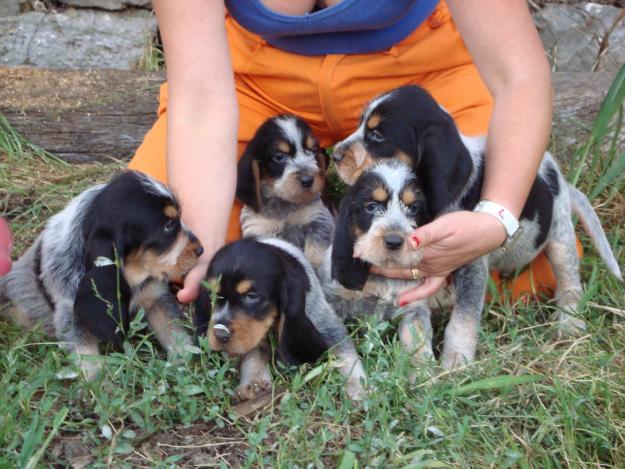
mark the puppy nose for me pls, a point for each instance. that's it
(198, 251)
(222, 333)
(306, 180)
(393, 241)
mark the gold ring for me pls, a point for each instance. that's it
(416, 273)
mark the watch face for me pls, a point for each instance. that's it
(511, 240)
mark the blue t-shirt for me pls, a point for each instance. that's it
(349, 27)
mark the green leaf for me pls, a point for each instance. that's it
(192, 390)
(58, 420)
(498, 382)
(347, 461)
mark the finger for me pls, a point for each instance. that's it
(191, 288)
(403, 273)
(429, 286)
(430, 233)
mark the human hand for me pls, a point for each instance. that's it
(447, 243)
(5, 247)
(192, 281)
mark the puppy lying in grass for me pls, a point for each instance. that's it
(268, 285)
(113, 250)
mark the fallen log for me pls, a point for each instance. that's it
(99, 114)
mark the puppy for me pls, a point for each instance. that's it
(280, 178)
(268, 284)
(112, 250)
(375, 218)
(409, 126)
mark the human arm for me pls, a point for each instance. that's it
(202, 119)
(507, 51)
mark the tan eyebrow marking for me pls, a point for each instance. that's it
(244, 286)
(171, 211)
(284, 146)
(310, 142)
(380, 194)
(373, 121)
(408, 196)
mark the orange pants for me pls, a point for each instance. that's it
(329, 92)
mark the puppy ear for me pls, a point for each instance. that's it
(322, 161)
(101, 303)
(202, 312)
(299, 341)
(103, 296)
(443, 165)
(248, 177)
(349, 272)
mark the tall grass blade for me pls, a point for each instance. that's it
(609, 107)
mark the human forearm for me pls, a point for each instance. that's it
(202, 169)
(517, 138)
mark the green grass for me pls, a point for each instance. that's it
(530, 400)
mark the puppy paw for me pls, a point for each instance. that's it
(453, 359)
(251, 390)
(570, 326)
(354, 389)
(90, 368)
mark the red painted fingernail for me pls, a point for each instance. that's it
(415, 241)
(403, 303)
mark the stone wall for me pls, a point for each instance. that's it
(76, 34)
(115, 34)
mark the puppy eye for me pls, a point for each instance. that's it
(376, 136)
(372, 207)
(413, 209)
(280, 157)
(170, 226)
(251, 297)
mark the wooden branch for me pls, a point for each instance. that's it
(94, 115)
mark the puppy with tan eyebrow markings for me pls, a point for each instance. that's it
(407, 126)
(375, 219)
(280, 179)
(268, 285)
(113, 250)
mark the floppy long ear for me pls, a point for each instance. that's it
(103, 295)
(202, 312)
(322, 160)
(349, 272)
(248, 177)
(101, 304)
(298, 338)
(443, 164)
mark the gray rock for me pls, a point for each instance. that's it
(76, 39)
(572, 35)
(9, 8)
(108, 4)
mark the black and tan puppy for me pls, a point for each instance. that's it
(265, 285)
(280, 178)
(112, 250)
(408, 126)
(376, 217)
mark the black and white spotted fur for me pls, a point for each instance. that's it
(112, 250)
(281, 176)
(408, 125)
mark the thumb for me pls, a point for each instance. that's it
(429, 286)
(429, 233)
(191, 289)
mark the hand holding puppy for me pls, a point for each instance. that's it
(447, 243)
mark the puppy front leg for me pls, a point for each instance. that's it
(562, 256)
(162, 312)
(415, 334)
(461, 333)
(74, 340)
(254, 371)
